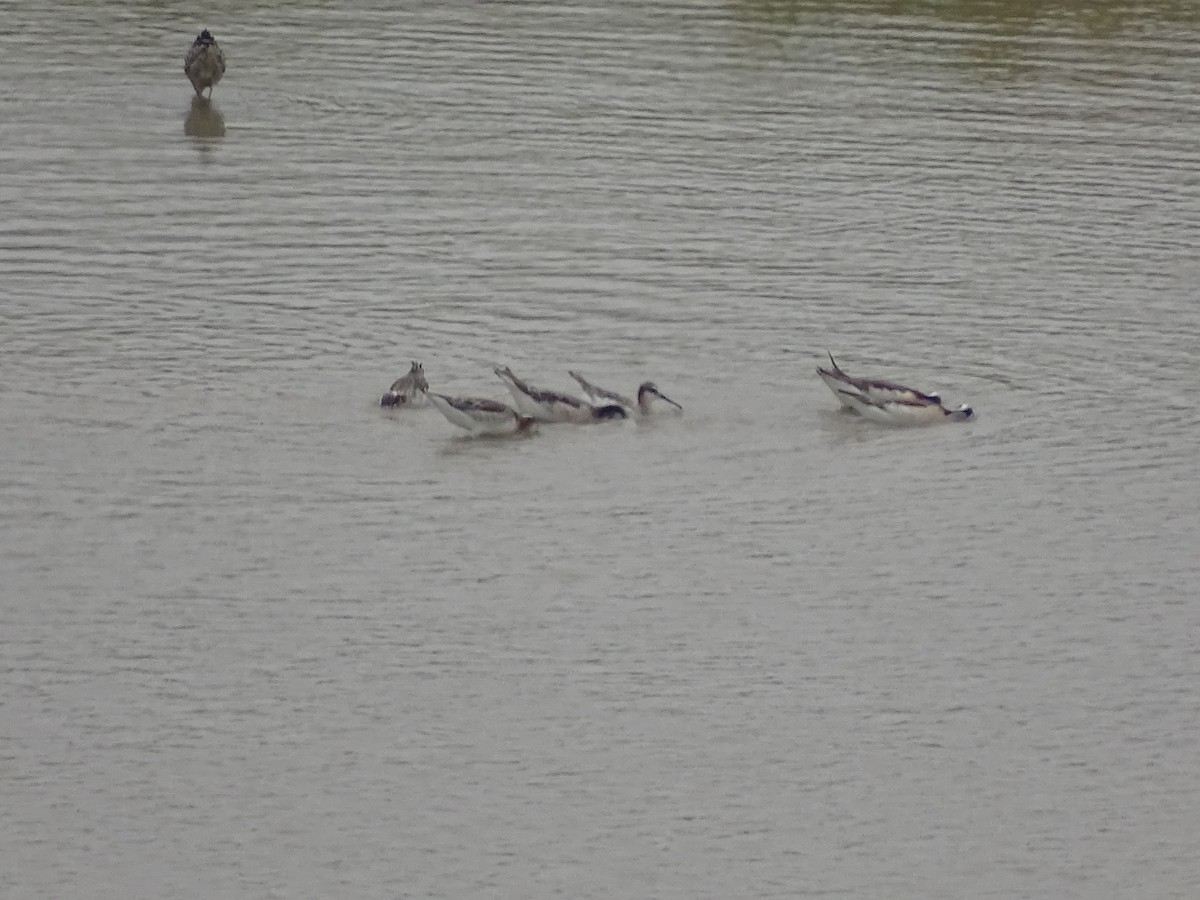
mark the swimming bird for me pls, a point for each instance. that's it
(482, 417)
(646, 394)
(204, 63)
(870, 388)
(551, 406)
(888, 402)
(902, 412)
(407, 390)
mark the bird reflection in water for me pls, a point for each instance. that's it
(204, 121)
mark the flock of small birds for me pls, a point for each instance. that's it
(530, 407)
(871, 398)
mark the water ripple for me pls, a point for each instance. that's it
(252, 622)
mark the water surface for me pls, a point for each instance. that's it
(260, 638)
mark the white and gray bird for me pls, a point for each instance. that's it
(647, 393)
(888, 402)
(551, 406)
(481, 416)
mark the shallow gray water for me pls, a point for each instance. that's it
(260, 638)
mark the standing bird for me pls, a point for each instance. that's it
(204, 63)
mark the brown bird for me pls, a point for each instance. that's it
(408, 389)
(204, 63)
